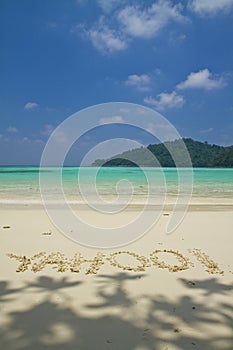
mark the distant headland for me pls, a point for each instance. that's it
(202, 154)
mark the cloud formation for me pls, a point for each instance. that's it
(105, 39)
(148, 22)
(203, 79)
(30, 105)
(47, 129)
(210, 7)
(108, 5)
(140, 82)
(123, 21)
(113, 34)
(110, 120)
(206, 131)
(166, 100)
(12, 130)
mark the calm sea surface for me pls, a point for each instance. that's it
(22, 184)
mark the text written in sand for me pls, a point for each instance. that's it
(123, 260)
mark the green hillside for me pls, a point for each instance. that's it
(224, 161)
(202, 155)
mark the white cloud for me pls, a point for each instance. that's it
(52, 25)
(12, 130)
(206, 131)
(148, 22)
(105, 39)
(151, 128)
(203, 79)
(176, 38)
(47, 130)
(108, 5)
(110, 120)
(140, 82)
(30, 105)
(210, 7)
(127, 110)
(39, 142)
(166, 100)
(130, 22)
(163, 130)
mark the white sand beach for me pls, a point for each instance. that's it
(160, 292)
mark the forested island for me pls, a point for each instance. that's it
(202, 154)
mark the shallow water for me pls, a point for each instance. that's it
(210, 185)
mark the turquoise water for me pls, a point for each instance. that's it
(22, 183)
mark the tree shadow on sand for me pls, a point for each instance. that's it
(151, 322)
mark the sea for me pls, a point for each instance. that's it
(28, 185)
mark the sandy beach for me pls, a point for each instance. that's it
(160, 292)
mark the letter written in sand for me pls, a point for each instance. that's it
(144, 262)
(25, 262)
(96, 263)
(60, 262)
(205, 260)
(185, 263)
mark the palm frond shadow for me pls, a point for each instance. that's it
(152, 322)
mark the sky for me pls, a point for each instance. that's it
(59, 57)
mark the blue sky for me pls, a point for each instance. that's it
(58, 57)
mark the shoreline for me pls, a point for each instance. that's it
(132, 207)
